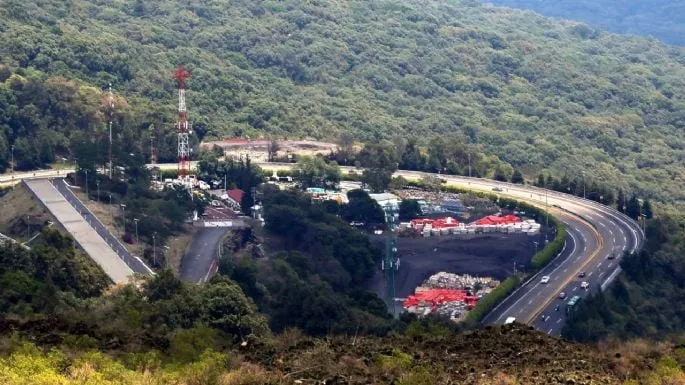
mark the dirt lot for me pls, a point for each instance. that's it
(491, 255)
(16, 208)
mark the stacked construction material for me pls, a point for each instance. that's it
(449, 294)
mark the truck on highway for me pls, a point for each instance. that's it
(572, 304)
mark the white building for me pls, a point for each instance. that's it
(390, 203)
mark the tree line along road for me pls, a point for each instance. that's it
(595, 232)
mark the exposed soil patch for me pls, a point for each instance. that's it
(490, 255)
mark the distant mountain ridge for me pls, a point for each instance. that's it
(662, 19)
(541, 94)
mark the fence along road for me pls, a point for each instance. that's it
(89, 239)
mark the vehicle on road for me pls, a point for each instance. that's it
(584, 285)
(509, 320)
(581, 274)
(572, 304)
(611, 256)
(498, 189)
(562, 295)
(544, 279)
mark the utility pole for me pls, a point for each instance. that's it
(546, 217)
(111, 210)
(154, 249)
(390, 264)
(87, 194)
(97, 183)
(583, 184)
(123, 213)
(469, 154)
(225, 176)
(28, 227)
(111, 114)
(136, 222)
(12, 161)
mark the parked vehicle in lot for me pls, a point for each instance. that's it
(544, 279)
(562, 295)
(581, 275)
(584, 285)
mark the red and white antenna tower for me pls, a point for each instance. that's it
(182, 126)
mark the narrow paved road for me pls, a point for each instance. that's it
(202, 254)
(595, 232)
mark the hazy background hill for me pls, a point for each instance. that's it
(663, 19)
(538, 93)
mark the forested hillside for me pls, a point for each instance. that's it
(536, 92)
(663, 19)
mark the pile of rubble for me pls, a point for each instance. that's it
(449, 295)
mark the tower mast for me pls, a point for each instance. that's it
(111, 114)
(182, 126)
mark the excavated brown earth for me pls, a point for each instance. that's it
(479, 357)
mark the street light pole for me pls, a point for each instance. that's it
(136, 222)
(123, 213)
(87, 196)
(583, 184)
(469, 154)
(154, 249)
(12, 161)
(97, 183)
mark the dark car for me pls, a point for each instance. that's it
(581, 275)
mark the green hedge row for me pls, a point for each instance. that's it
(544, 256)
(487, 303)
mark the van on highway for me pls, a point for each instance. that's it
(509, 320)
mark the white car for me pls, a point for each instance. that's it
(584, 285)
(545, 279)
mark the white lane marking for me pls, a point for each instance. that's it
(530, 302)
(565, 270)
(574, 288)
(550, 331)
(599, 264)
(614, 240)
(589, 274)
(611, 232)
(538, 284)
(559, 320)
(610, 263)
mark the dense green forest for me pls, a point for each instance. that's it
(662, 19)
(535, 92)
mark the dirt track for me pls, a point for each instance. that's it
(490, 255)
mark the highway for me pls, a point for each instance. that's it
(595, 232)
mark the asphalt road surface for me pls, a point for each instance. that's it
(135, 263)
(595, 232)
(200, 260)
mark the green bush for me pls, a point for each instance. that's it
(487, 303)
(544, 256)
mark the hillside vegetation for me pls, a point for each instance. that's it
(538, 93)
(663, 19)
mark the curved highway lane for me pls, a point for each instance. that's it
(595, 232)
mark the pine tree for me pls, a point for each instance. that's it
(633, 208)
(517, 177)
(647, 209)
(621, 201)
